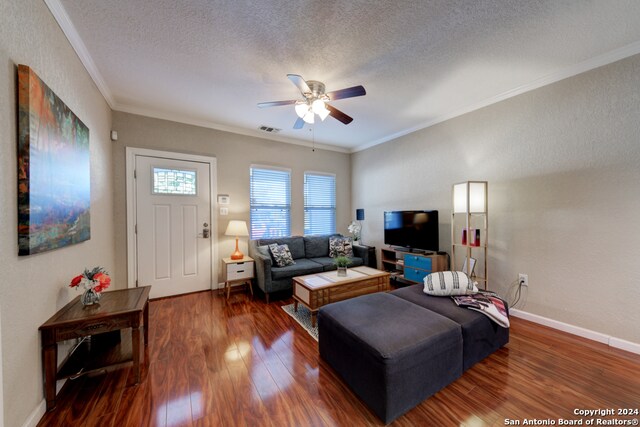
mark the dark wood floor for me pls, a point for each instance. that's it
(242, 362)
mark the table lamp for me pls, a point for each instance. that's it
(237, 228)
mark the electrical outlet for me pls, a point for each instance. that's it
(523, 279)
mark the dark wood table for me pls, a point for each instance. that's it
(121, 312)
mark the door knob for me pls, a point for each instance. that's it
(205, 231)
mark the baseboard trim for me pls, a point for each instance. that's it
(34, 417)
(624, 345)
(577, 330)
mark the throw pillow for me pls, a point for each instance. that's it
(281, 255)
(340, 246)
(446, 283)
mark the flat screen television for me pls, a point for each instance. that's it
(412, 229)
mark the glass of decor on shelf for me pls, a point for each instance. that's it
(93, 282)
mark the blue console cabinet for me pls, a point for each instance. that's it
(412, 267)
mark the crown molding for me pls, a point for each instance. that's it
(570, 71)
(157, 114)
(60, 14)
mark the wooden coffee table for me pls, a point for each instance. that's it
(316, 290)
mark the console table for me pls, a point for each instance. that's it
(410, 267)
(117, 312)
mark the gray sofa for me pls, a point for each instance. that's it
(311, 254)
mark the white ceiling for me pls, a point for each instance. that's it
(209, 62)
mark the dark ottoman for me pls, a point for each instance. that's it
(480, 335)
(392, 353)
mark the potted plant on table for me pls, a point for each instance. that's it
(342, 262)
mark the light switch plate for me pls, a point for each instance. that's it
(224, 211)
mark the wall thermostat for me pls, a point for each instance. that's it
(224, 199)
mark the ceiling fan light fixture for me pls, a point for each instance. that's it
(302, 108)
(309, 117)
(318, 106)
(316, 101)
(324, 113)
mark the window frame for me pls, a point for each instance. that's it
(255, 208)
(308, 208)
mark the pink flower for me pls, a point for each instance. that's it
(103, 282)
(75, 281)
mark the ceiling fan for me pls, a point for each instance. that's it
(316, 101)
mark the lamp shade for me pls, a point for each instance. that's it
(237, 228)
(302, 108)
(477, 197)
(323, 114)
(309, 117)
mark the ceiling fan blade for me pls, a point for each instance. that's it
(339, 115)
(300, 83)
(299, 124)
(275, 103)
(349, 92)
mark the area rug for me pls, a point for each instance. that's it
(303, 317)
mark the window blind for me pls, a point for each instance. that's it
(270, 195)
(319, 203)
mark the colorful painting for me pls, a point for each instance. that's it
(54, 188)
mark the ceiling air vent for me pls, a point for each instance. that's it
(269, 129)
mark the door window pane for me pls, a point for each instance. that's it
(174, 181)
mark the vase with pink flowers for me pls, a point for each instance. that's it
(93, 282)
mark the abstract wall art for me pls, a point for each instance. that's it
(54, 189)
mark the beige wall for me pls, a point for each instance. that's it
(34, 287)
(234, 154)
(563, 169)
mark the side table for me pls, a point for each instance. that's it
(237, 271)
(118, 310)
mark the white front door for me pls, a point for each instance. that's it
(173, 222)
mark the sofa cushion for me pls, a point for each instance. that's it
(328, 263)
(264, 250)
(300, 268)
(281, 255)
(316, 246)
(340, 246)
(295, 243)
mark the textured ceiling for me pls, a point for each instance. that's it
(209, 62)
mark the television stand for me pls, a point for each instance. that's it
(411, 267)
